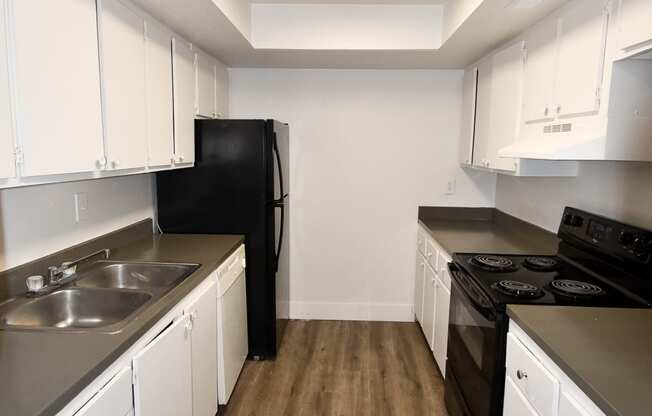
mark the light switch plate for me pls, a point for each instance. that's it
(81, 206)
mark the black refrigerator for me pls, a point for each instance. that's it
(240, 185)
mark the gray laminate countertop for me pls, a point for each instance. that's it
(485, 230)
(41, 372)
(607, 352)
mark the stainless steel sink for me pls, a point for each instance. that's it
(104, 296)
(138, 276)
(73, 309)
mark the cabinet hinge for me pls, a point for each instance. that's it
(18, 156)
(133, 376)
(598, 91)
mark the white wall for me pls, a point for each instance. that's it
(346, 26)
(455, 13)
(620, 190)
(239, 13)
(40, 220)
(367, 147)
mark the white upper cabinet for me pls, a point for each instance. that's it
(505, 107)
(123, 70)
(205, 67)
(635, 27)
(57, 82)
(160, 108)
(482, 114)
(469, 89)
(582, 44)
(7, 145)
(183, 60)
(221, 90)
(539, 78)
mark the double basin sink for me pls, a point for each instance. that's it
(104, 297)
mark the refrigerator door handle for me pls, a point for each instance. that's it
(280, 204)
(280, 168)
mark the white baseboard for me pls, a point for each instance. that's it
(391, 312)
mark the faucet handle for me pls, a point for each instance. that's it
(34, 283)
(53, 273)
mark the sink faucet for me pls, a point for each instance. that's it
(59, 275)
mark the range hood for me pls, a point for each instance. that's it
(621, 129)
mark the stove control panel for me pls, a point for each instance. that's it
(610, 237)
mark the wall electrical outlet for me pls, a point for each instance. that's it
(450, 187)
(81, 206)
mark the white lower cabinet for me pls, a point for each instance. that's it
(428, 324)
(419, 275)
(114, 399)
(536, 386)
(442, 304)
(432, 295)
(163, 373)
(515, 404)
(202, 313)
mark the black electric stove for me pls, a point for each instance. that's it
(599, 263)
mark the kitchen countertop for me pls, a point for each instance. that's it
(485, 230)
(605, 351)
(42, 371)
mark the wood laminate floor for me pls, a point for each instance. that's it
(343, 368)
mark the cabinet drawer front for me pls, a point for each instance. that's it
(528, 374)
(515, 403)
(115, 398)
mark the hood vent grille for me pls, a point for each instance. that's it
(558, 128)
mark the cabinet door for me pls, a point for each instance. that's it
(418, 286)
(114, 399)
(568, 406)
(57, 79)
(160, 115)
(428, 324)
(205, 83)
(442, 302)
(163, 379)
(539, 71)
(515, 404)
(469, 89)
(123, 69)
(203, 316)
(184, 100)
(635, 18)
(221, 90)
(482, 115)
(7, 145)
(504, 114)
(581, 58)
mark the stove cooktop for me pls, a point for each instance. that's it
(543, 280)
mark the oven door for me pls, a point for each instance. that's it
(474, 352)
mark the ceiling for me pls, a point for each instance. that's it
(489, 24)
(369, 2)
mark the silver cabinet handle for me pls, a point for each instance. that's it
(520, 374)
(559, 109)
(546, 111)
(115, 163)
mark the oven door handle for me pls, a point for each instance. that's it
(476, 296)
